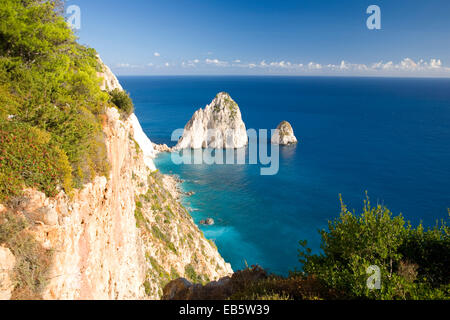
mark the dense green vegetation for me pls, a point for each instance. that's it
(29, 157)
(413, 262)
(49, 87)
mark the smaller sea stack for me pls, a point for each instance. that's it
(284, 134)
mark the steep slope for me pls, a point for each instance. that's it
(121, 237)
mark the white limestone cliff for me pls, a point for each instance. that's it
(110, 81)
(284, 134)
(217, 126)
(144, 142)
(119, 237)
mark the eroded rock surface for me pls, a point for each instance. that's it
(217, 126)
(7, 263)
(284, 134)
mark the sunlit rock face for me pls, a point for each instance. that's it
(284, 134)
(7, 263)
(123, 236)
(217, 126)
(109, 79)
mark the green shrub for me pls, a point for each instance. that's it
(122, 100)
(28, 158)
(413, 263)
(429, 252)
(49, 82)
(191, 274)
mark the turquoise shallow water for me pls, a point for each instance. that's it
(390, 137)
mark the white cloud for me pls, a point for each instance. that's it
(157, 54)
(387, 66)
(216, 62)
(344, 66)
(435, 63)
(314, 66)
(406, 66)
(128, 66)
(123, 65)
(190, 63)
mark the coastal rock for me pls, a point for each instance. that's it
(177, 290)
(217, 126)
(222, 289)
(50, 216)
(207, 222)
(7, 262)
(161, 148)
(182, 289)
(284, 134)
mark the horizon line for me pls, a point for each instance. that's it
(285, 75)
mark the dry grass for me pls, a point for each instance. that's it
(32, 260)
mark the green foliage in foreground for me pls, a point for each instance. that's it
(49, 85)
(414, 263)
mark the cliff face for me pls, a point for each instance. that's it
(121, 237)
(217, 126)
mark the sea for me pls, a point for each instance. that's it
(387, 137)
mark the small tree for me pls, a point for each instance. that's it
(122, 100)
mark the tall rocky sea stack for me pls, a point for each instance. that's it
(217, 126)
(284, 134)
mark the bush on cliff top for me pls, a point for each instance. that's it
(123, 101)
(48, 82)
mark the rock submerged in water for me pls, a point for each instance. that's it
(207, 222)
(218, 126)
(284, 135)
(161, 148)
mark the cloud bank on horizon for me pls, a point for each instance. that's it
(405, 67)
(289, 37)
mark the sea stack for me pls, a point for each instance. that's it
(218, 126)
(284, 134)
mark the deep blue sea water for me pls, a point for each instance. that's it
(388, 136)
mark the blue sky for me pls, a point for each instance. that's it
(142, 37)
